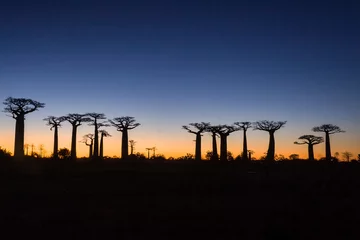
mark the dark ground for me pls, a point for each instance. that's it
(292, 200)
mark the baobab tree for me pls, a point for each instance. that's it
(347, 155)
(86, 138)
(75, 120)
(55, 123)
(251, 152)
(328, 129)
(103, 133)
(214, 133)
(310, 140)
(18, 108)
(132, 146)
(224, 131)
(271, 127)
(199, 128)
(95, 117)
(124, 124)
(244, 126)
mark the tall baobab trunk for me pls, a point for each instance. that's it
(56, 143)
(198, 147)
(96, 139)
(19, 137)
(215, 155)
(73, 142)
(311, 151)
(102, 145)
(124, 144)
(245, 150)
(223, 148)
(271, 151)
(328, 149)
(91, 150)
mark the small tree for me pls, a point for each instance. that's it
(75, 120)
(124, 124)
(132, 146)
(347, 156)
(95, 117)
(88, 139)
(18, 108)
(294, 156)
(64, 153)
(244, 126)
(55, 123)
(214, 133)
(199, 128)
(328, 129)
(271, 127)
(310, 140)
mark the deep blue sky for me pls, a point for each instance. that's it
(174, 62)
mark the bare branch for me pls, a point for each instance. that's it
(21, 106)
(328, 128)
(124, 123)
(243, 125)
(269, 126)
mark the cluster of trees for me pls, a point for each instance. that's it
(223, 131)
(20, 107)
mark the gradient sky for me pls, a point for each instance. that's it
(170, 63)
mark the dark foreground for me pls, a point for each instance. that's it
(293, 200)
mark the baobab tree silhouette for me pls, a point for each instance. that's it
(124, 124)
(95, 117)
(310, 140)
(244, 126)
(75, 120)
(55, 123)
(224, 131)
(271, 127)
(200, 128)
(89, 137)
(103, 133)
(214, 133)
(18, 108)
(132, 146)
(328, 129)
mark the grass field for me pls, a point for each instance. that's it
(147, 200)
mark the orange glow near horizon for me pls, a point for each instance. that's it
(179, 143)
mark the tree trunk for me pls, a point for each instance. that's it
(90, 150)
(249, 156)
(73, 142)
(327, 143)
(215, 156)
(223, 148)
(96, 139)
(102, 146)
(56, 137)
(19, 137)
(198, 147)
(311, 152)
(271, 151)
(245, 150)
(124, 144)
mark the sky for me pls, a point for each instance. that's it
(171, 63)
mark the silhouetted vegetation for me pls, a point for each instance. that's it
(18, 108)
(328, 129)
(224, 131)
(200, 128)
(271, 127)
(244, 126)
(310, 140)
(55, 123)
(95, 117)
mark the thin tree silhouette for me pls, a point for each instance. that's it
(103, 133)
(224, 131)
(244, 126)
(347, 155)
(310, 140)
(18, 108)
(95, 117)
(328, 129)
(214, 133)
(89, 137)
(200, 128)
(124, 124)
(75, 120)
(132, 146)
(271, 127)
(251, 152)
(55, 123)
